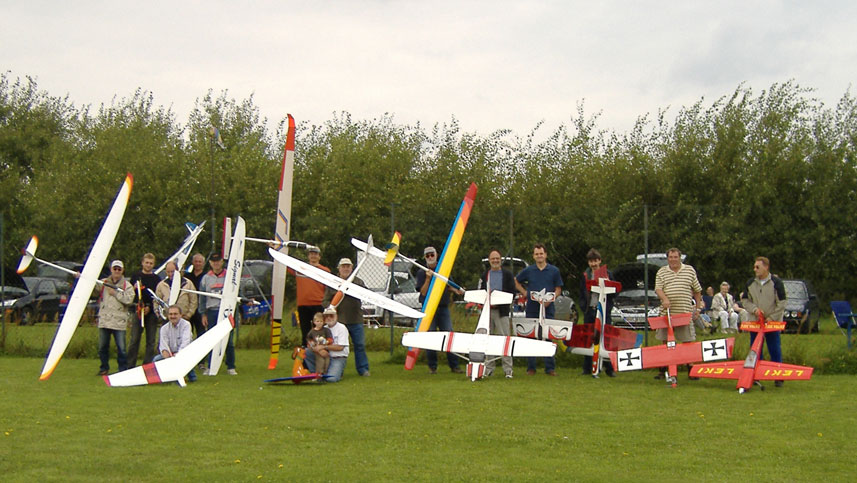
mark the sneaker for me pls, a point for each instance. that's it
(551, 373)
(101, 373)
(365, 374)
(205, 372)
(531, 372)
(659, 375)
(432, 370)
(457, 370)
(509, 375)
(232, 372)
(611, 374)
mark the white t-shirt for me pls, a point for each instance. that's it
(340, 337)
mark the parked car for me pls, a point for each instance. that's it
(802, 313)
(53, 272)
(39, 300)
(565, 308)
(403, 287)
(629, 305)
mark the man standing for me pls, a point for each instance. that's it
(678, 288)
(310, 294)
(195, 277)
(338, 349)
(589, 303)
(212, 282)
(113, 316)
(765, 296)
(501, 279)
(148, 280)
(187, 301)
(541, 275)
(175, 336)
(442, 320)
(350, 311)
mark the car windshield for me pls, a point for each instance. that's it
(795, 289)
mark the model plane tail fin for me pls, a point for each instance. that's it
(392, 249)
(28, 254)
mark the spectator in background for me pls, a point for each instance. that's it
(723, 309)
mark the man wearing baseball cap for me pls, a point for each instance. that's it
(350, 311)
(338, 349)
(442, 320)
(113, 316)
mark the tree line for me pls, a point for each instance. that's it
(752, 173)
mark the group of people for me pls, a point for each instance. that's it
(326, 330)
(124, 303)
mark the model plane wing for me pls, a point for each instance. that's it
(548, 329)
(665, 355)
(173, 368)
(765, 371)
(230, 292)
(91, 269)
(348, 289)
(498, 345)
(180, 256)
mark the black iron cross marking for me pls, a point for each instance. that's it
(713, 349)
(629, 359)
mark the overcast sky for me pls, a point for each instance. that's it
(490, 64)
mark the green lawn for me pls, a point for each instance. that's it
(399, 425)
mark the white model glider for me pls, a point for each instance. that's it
(88, 277)
(543, 328)
(344, 286)
(180, 256)
(377, 252)
(478, 347)
(29, 254)
(229, 295)
(173, 369)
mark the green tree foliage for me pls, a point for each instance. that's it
(770, 173)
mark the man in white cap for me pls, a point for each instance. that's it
(442, 320)
(113, 316)
(350, 312)
(338, 349)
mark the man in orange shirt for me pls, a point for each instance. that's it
(310, 293)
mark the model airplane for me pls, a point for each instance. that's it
(173, 369)
(672, 354)
(344, 286)
(543, 328)
(281, 233)
(299, 372)
(480, 347)
(180, 256)
(88, 276)
(393, 253)
(444, 267)
(753, 369)
(28, 254)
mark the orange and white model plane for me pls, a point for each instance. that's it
(672, 354)
(753, 369)
(480, 347)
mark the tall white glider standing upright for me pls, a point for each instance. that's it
(281, 234)
(88, 277)
(229, 296)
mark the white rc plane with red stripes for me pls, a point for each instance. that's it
(480, 347)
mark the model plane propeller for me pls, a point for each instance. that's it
(480, 347)
(753, 369)
(672, 354)
(88, 276)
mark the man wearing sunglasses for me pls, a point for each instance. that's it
(442, 321)
(113, 316)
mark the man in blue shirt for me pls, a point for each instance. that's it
(442, 320)
(541, 275)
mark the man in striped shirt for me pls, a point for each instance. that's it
(680, 292)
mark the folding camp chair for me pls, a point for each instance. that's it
(844, 316)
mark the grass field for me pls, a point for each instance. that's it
(398, 425)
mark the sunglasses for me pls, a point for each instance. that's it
(116, 269)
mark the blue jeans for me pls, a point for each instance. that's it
(229, 358)
(533, 312)
(443, 323)
(772, 340)
(358, 345)
(334, 370)
(104, 348)
(191, 376)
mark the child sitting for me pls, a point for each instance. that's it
(320, 335)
